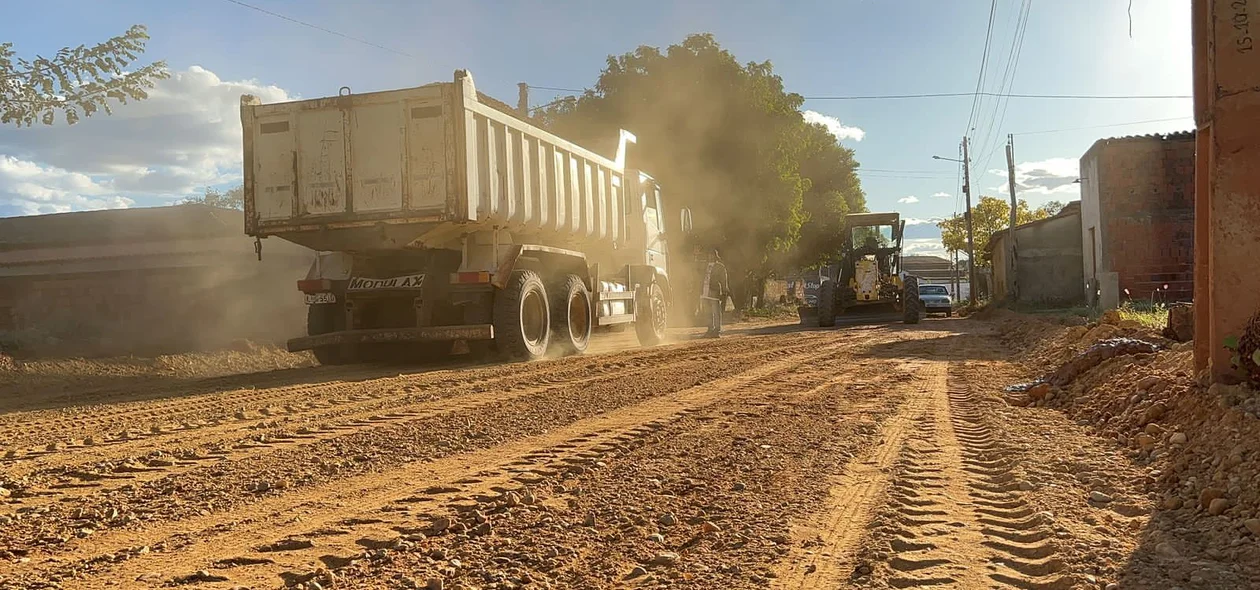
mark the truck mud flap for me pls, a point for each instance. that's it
(432, 333)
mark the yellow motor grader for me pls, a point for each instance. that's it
(869, 270)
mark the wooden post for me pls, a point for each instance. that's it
(1010, 179)
(971, 241)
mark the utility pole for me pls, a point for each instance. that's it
(953, 273)
(522, 99)
(971, 240)
(1010, 180)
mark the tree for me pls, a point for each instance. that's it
(725, 140)
(1051, 208)
(833, 192)
(78, 81)
(234, 198)
(989, 216)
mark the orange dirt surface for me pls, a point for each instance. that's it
(866, 456)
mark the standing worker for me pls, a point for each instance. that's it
(713, 293)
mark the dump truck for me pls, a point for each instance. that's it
(439, 215)
(869, 270)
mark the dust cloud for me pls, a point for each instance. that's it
(183, 307)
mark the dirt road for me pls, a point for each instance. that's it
(866, 456)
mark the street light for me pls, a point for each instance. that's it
(946, 159)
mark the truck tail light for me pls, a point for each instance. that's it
(470, 277)
(315, 286)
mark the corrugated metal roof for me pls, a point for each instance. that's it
(1174, 136)
(1161, 136)
(117, 226)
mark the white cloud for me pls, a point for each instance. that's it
(908, 199)
(1046, 178)
(917, 221)
(838, 129)
(27, 188)
(185, 136)
(942, 195)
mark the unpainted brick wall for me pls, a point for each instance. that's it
(1147, 205)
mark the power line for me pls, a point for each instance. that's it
(553, 89)
(901, 176)
(993, 140)
(984, 62)
(957, 95)
(1006, 95)
(319, 28)
(1103, 126)
(903, 171)
(552, 103)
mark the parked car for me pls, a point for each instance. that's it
(936, 299)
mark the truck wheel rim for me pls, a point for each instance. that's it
(658, 310)
(579, 316)
(534, 318)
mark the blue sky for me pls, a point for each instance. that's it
(188, 137)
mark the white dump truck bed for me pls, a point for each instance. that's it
(417, 166)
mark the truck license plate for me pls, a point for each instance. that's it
(316, 298)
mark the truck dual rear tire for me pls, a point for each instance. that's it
(827, 304)
(571, 315)
(651, 314)
(522, 317)
(911, 306)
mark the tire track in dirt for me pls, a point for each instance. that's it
(1020, 541)
(216, 487)
(954, 516)
(234, 441)
(143, 419)
(401, 482)
(929, 535)
(822, 557)
(744, 463)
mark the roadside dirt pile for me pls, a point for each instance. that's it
(1200, 446)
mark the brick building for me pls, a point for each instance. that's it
(1137, 218)
(143, 281)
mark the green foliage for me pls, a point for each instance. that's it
(1150, 315)
(79, 81)
(727, 141)
(1051, 208)
(880, 235)
(989, 216)
(234, 198)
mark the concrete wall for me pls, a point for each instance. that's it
(1093, 232)
(1138, 194)
(1049, 261)
(1227, 106)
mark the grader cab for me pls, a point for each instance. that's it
(869, 270)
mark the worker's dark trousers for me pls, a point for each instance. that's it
(715, 316)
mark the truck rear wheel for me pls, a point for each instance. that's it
(522, 318)
(651, 315)
(571, 315)
(911, 306)
(827, 304)
(323, 318)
